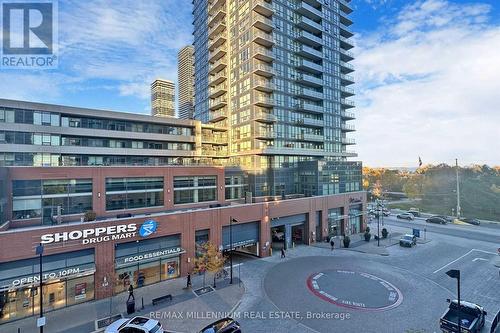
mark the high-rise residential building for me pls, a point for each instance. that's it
(185, 79)
(277, 75)
(162, 98)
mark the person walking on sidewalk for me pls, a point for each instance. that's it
(188, 281)
(131, 293)
(332, 243)
(283, 252)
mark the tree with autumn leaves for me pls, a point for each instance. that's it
(210, 260)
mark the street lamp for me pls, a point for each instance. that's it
(455, 274)
(379, 211)
(39, 251)
(231, 220)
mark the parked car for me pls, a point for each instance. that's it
(436, 219)
(386, 212)
(406, 216)
(470, 221)
(225, 325)
(447, 218)
(472, 317)
(408, 241)
(415, 212)
(135, 325)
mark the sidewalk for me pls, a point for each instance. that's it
(81, 317)
(359, 244)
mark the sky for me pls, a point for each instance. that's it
(427, 71)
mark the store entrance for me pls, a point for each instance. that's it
(278, 238)
(298, 234)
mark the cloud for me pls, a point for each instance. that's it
(428, 86)
(123, 43)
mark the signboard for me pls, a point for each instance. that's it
(80, 291)
(102, 234)
(40, 322)
(416, 233)
(149, 256)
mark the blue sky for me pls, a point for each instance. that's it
(427, 70)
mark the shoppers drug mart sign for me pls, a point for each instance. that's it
(101, 234)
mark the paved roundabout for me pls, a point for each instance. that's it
(348, 294)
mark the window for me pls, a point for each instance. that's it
(195, 189)
(133, 193)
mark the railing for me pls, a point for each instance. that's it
(264, 51)
(347, 77)
(261, 34)
(310, 36)
(347, 102)
(310, 64)
(311, 9)
(256, 17)
(346, 114)
(264, 83)
(265, 116)
(262, 67)
(347, 127)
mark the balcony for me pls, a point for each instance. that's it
(217, 16)
(344, 31)
(217, 91)
(309, 52)
(346, 55)
(263, 100)
(346, 68)
(309, 39)
(346, 79)
(309, 25)
(217, 78)
(262, 133)
(347, 103)
(309, 66)
(311, 122)
(216, 29)
(217, 103)
(263, 7)
(218, 115)
(345, 20)
(263, 84)
(262, 38)
(347, 128)
(348, 141)
(217, 41)
(263, 54)
(311, 137)
(344, 6)
(309, 107)
(346, 43)
(310, 94)
(309, 11)
(265, 117)
(347, 115)
(217, 66)
(346, 92)
(263, 69)
(310, 80)
(217, 53)
(261, 22)
(214, 5)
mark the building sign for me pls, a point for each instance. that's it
(80, 291)
(46, 276)
(149, 256)
(101, 234)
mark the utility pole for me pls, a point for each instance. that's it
(41, 323)
(458, 190)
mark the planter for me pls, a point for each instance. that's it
(346, 241)
(368, 236)
(384, 233)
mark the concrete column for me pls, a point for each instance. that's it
(105, 267)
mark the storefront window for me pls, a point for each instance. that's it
(169, 268)
(80, 290)
(148, 273)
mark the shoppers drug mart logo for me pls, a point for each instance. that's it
(148, 228)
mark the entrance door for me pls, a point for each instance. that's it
(278, 236)
(47, 214)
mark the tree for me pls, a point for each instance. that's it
(210, 260)
(89, 216)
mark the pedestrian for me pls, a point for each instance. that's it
(131, 293)
(332, 243)
(188, 281)
(282, 252)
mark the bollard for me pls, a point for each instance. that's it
(142, 303)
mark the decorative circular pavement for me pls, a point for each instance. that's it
(343, 288)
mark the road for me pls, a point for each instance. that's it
(480, 233)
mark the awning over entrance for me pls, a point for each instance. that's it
(243, 234)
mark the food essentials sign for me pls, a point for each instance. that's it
(102, 234)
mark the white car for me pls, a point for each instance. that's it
(135, 325)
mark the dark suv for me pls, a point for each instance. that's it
(436, 219)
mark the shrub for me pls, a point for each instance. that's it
(384, 233)
(368, 236)
(89, 215)
(346, 241)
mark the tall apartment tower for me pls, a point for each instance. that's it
(276, 73)
(162, 98)
(185, 79)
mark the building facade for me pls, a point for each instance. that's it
(150, 223)
(162, 98)
(277, 74)
(185, 79)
